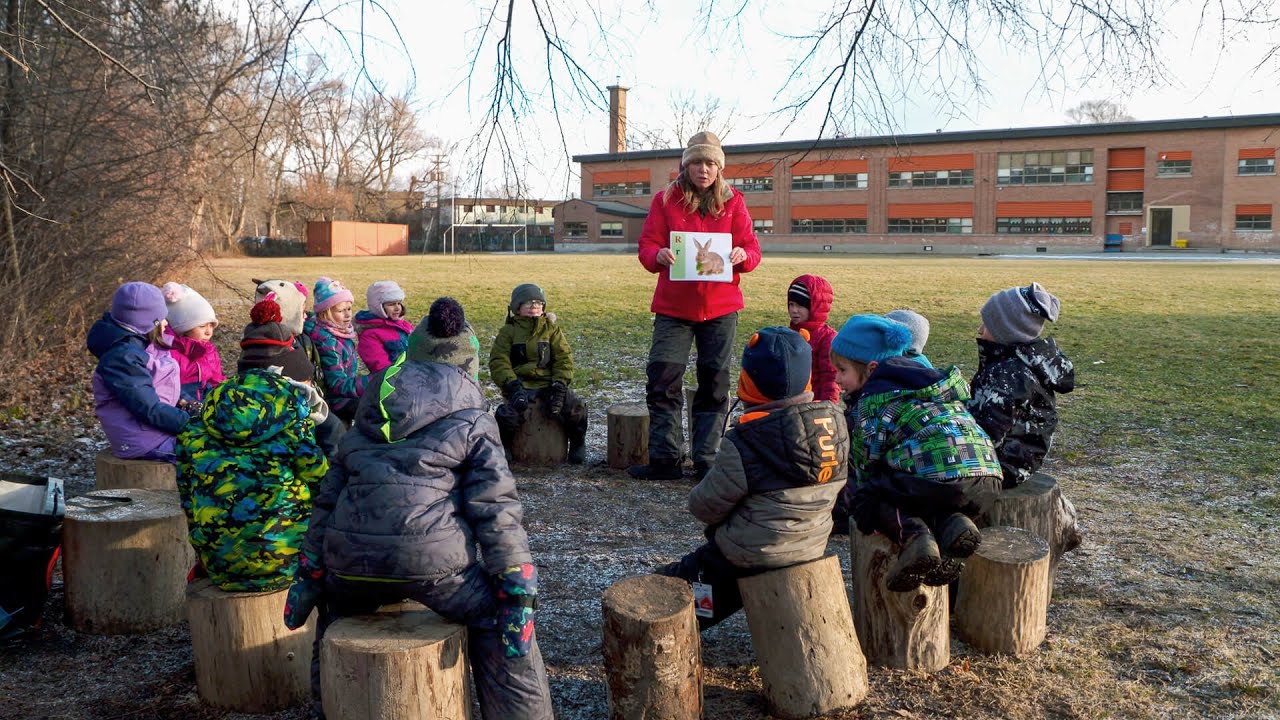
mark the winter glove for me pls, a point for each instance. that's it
(556, 397)
(517, 602)
(517, 396)
(304, 594)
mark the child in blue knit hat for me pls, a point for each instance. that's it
(335, 339)
(920, 466)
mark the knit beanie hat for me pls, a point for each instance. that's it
(703, 146)
(798, 293)
(138, 306)
(268, 343)
(329, 293)
(916, 323)
(290, 296)
(381, 293)
(871, 338)
(187, 309)
(525, 293)
(1016, 315)
(445, 336)
(776, 364)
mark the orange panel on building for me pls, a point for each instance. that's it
(620, 176)
(1176, 155)
(829, 167)
(1257, 153)
(764, 212)
(1125, 179)
(828, 212)
(339, 238)
(1075, 208)
(931, 162)
(1127, 158)
(930, 210)
(1253, 209)
(751, 170)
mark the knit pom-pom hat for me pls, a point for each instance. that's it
(916, 323)
(330, 292)
(445, 336)
(187, 309)
(1017, 315)
(871, 338)
(776, 364)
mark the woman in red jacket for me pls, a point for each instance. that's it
(692, 312)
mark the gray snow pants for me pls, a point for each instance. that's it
(664, 393)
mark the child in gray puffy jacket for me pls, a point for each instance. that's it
(425, 453)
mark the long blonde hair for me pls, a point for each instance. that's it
(711, 200)
(155, 336)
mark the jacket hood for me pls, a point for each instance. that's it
(1041, 355)
(411, 395)
(820, 297)
(788, 439)
(905, 376)
(106, 333)
(366, 319)
(253, 408)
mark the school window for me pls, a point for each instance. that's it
(1044, 226)
(1253, 223)
(752, 184)
(1124, 202)
(575, 229)
(931, 178)
(1049, 167)
(610, 229)
(762, 226)
(840, 181)
(1257, 166)
(468, 208)
(490, 208)
(829, 225)
(622, 188)
(1173, 168)
(952, 226)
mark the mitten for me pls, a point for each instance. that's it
(517, 602)
(304, 594)
(517, 396)
(556, 397)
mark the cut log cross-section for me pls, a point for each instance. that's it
(804, 639)
(113, 473)
(628, 435)
(394, 666)
(1038, 505)
(905, 630)
(246, 659)
(1003, 595)
(540, 440)
(652, 652)
(125, 558)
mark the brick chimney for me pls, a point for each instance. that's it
(617, 119)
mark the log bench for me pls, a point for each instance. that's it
(246, 659)
(112, 473)
(540, 440)
(1003, 596)
(652, 651)
(395, 665)
(125, 558)
(904, 630)
(804, 639)
(1038, 505)
(628, 425)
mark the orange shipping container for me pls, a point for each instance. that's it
(340, 238)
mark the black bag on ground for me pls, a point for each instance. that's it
(31, 511)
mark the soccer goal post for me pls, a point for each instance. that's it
(519, 233)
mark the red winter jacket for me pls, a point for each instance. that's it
(695, 300)
(820, 335)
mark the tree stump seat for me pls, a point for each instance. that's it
(1003, 596)
(904, 630)
(1038, 505)
(113, 473)
(540, 440)
(628, 425)
(652, 651)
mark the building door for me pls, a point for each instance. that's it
(1161, 226)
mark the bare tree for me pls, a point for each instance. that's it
(1098, 111)
(687, 113)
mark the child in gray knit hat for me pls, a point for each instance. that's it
(1019, 374)
(919, 326)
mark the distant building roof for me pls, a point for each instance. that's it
(801, 146)
(618, 209)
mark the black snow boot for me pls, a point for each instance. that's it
(917, 558)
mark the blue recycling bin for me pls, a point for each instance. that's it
(1114, 242)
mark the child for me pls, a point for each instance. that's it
(384, 333)
(808, 303)
(531, 356)
(1018, 375)
(767, 497)
(247, 465)
(135, 386)
(335, 338)
(919, 327)
(921, 467)
(420, 481)
(191, 325)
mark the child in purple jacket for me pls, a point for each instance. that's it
(135, 386)
(384, 332)
(335, 339)
(190, 336)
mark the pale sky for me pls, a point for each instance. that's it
(654, 51)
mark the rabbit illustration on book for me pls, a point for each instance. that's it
(709, 263)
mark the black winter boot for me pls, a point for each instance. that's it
(657, 470)
(578, 451)
(958, 536)
(917, 558)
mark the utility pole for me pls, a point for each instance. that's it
(437, 176)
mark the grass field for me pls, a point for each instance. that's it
(1169, 447)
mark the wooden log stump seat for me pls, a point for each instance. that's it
(1039, 506)
(905, 630)
(125, 559)
(652, 652)
(628, 435)
(246, 659)
(804, 639)
(394, 666)
(1003, 596)
(113, 473)
(540, 440)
